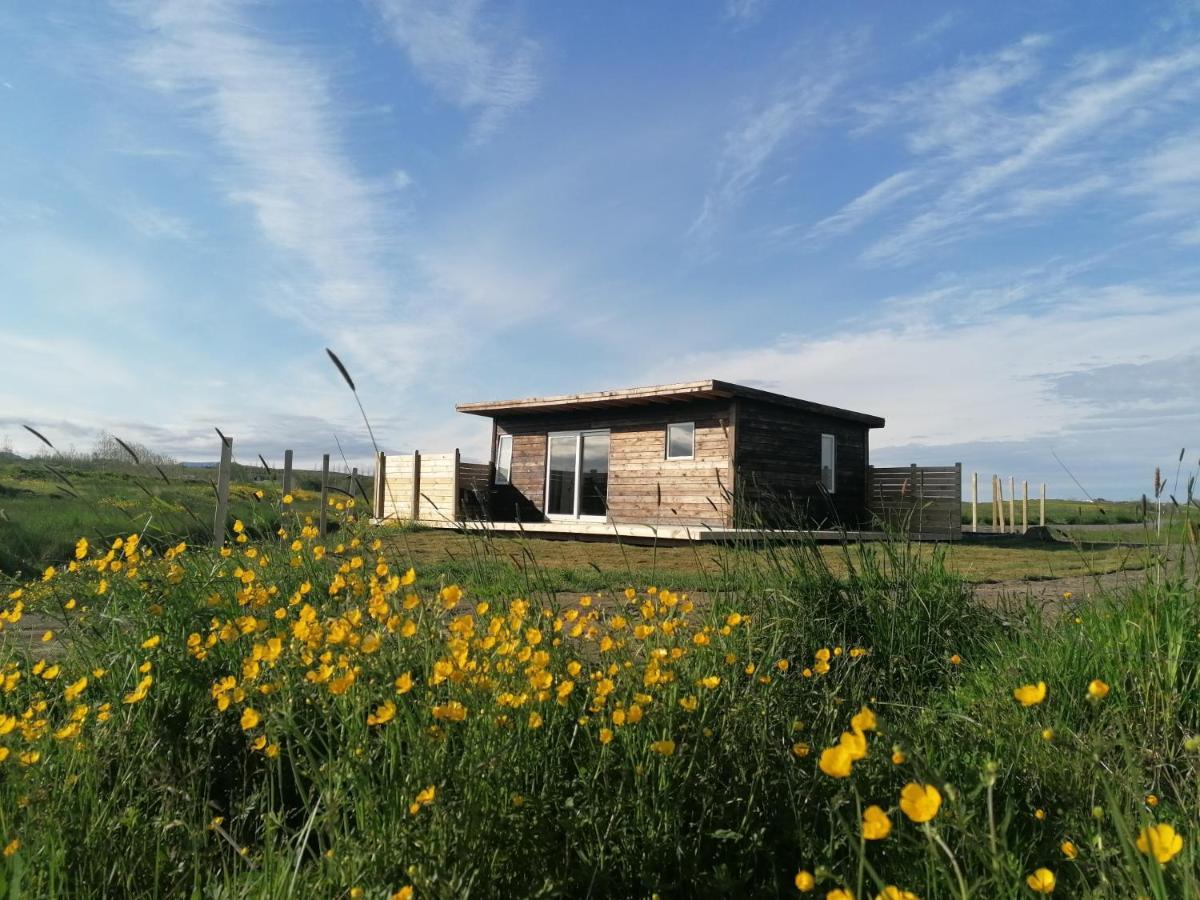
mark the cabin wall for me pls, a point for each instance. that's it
(644, 486)
(778, 462)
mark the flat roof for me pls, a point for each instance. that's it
(655, 395)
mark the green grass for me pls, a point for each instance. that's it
(44, 508)
(171, 795)
(1071, 512)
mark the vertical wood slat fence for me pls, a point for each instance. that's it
(924, 501)
(430, 487)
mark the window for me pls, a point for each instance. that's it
(681, 440)
(828, 462)
(504, 459)
(577, 475)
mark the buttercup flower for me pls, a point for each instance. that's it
(875, 824)
(1160, 842)
(1030, 694)
(1041, 881)
(920, 802)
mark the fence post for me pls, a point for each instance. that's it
(974, 502)
(1042, 513)
(1000, 490)
(380, 475)
(222, 512)
(1012, 505)
(415, 509)
(1024, 506)
(287, 471)
(324, 495)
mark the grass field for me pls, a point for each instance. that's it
(392, 713)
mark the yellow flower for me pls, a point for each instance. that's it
(1040, 815)
(535, 720)
(1097, 689)
(875, 824)
(138, 694)
(250, 718)
(238, 527)
(801, 749)
(404, 683)
(689, 703)
(836, 761)
(15, 844)
(898, 757)
(1160, 842)
(1151, 800)
(1069, 850)
(920, 802)
(450, 595)
(955, 659)
(81, 548)
(855, 743)
(1041, 881)
(710, 681)
(384, 713)
(453, 711)
(606, 735)
(287, 499)
(151, 642)
(424, 798)
(664, 747)
(891, 892)
(864, 720)
(804, 881)
(1030, 694)
(75, 689)
(839, 894)
(405, 893)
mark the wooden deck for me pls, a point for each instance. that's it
(647, 534)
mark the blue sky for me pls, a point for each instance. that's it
(982, 223)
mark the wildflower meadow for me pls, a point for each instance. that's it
(297, 716)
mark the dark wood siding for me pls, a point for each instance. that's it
(644, 486)
(779, 467)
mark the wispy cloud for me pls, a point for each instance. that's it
(995, 140)
(472, 60)
(745, 12)
(866, 205)
(769, 127)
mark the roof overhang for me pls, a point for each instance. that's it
(658, 395)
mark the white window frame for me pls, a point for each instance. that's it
(579, 436)
(830, 441)
(504, 473)
(667, 439)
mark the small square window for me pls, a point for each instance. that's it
(681, 440)
(504, 459)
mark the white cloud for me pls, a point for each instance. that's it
(992, 152)
(745, 12)
(866, 205)
(467, 58)
(751, 145)
(999, 370)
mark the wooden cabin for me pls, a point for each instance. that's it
(702, 453)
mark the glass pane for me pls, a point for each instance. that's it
(593, 482)
(828, 453)
(560, 494)
(504, 459)
(681, 440)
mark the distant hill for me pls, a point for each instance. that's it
(9, 456)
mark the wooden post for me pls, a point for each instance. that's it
(1042, 513)
(974, 502)
(415, 509)
(380, 475)
(454, 511)
(1000, 491)
(222, 512)
(287, 471)
(1024, 506)
(1012, 505)
(995, 515)
(324, 495)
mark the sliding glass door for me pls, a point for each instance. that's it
(577, 475)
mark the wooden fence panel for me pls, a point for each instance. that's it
(925, 501)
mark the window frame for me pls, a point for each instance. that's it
(830, 488)
(579, 435)
(667, 441)
(501, 441)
